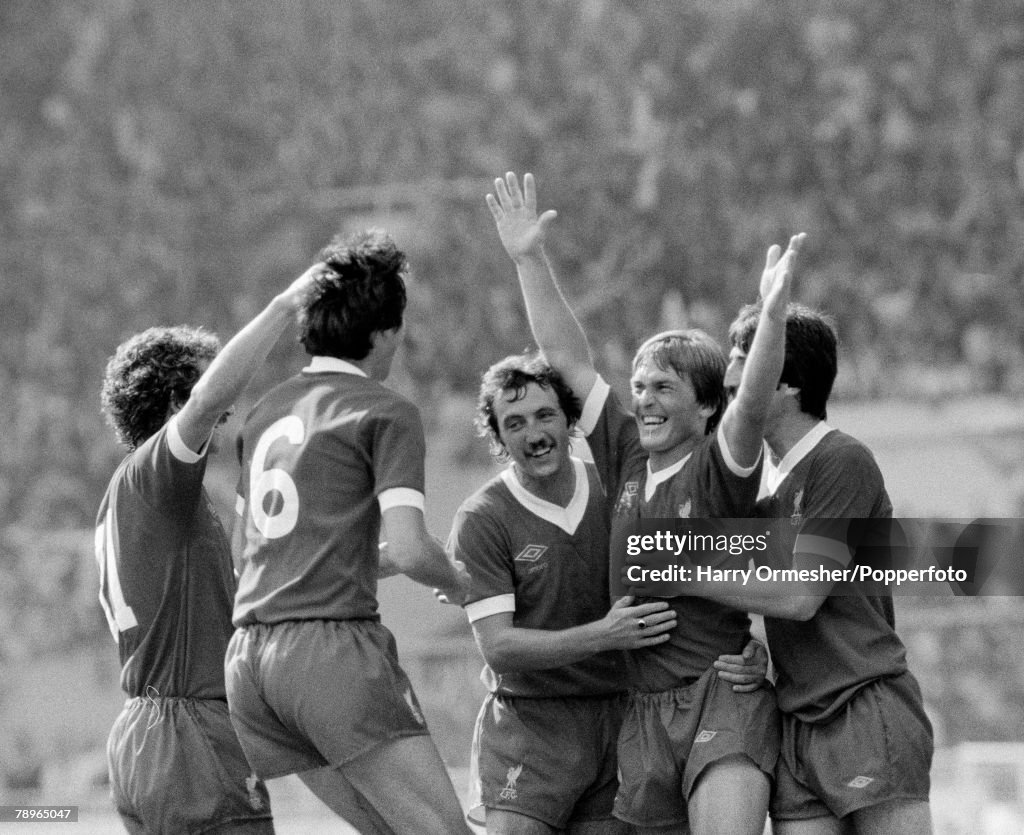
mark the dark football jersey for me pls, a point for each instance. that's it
(851, 640)
(166, 579)
(316, 452)
(705, 485)
(547, 565)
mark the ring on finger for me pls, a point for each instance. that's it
(641, 623)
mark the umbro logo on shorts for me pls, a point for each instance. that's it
(860, 782)
(706, 736)
(531, 553)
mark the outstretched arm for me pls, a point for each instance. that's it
(558, 333)
(507, 648)
(744, 420)
(412, 551)
(233, 368)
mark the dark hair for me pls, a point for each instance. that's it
(515, 373)
(693, 354)
(148, 374)
(811, 352)
(360, 291)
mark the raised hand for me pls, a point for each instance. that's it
(514, 211)
(778, 274)
(295, 293)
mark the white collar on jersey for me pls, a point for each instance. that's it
(775, 475)
(567, 518)
(656, 478)
(318, 365)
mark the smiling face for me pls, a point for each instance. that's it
(535, 431)
(670, 418)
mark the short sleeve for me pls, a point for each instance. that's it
(398, 447)
(480, 544)
(843, 488)
(159, 474)
(613, 438)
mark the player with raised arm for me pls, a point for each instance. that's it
(166, 578)
(856, 742)
(614, 440)
(329, 458)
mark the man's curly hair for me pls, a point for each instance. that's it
(360, 291)
(515, 373)
(149, 373)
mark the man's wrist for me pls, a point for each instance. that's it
(531, 257)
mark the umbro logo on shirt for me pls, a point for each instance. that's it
(705, 736)
(860, 782)
(531, 553)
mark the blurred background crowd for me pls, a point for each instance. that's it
(164, 163)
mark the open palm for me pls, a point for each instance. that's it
(514, 211)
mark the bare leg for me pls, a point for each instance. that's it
(341, 797)
(908, 817)
(603, 827)
(503, 822)
(826, 825)
(675, 829)
(406, 782)
(730, 798)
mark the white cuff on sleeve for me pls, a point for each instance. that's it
(730, 462)
(490, 606)
(177, 445)
(400, 497)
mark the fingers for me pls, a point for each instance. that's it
(733, 663)
(513, 189)
(546, 218)
(501, 191)
(654, 623)
(529, 191)
(774, 251)
(496, 211)
(739, 678)
(645, 609)
(508, 200)
(623, 602)
(795, 243)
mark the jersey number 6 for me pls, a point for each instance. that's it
(285, 505)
